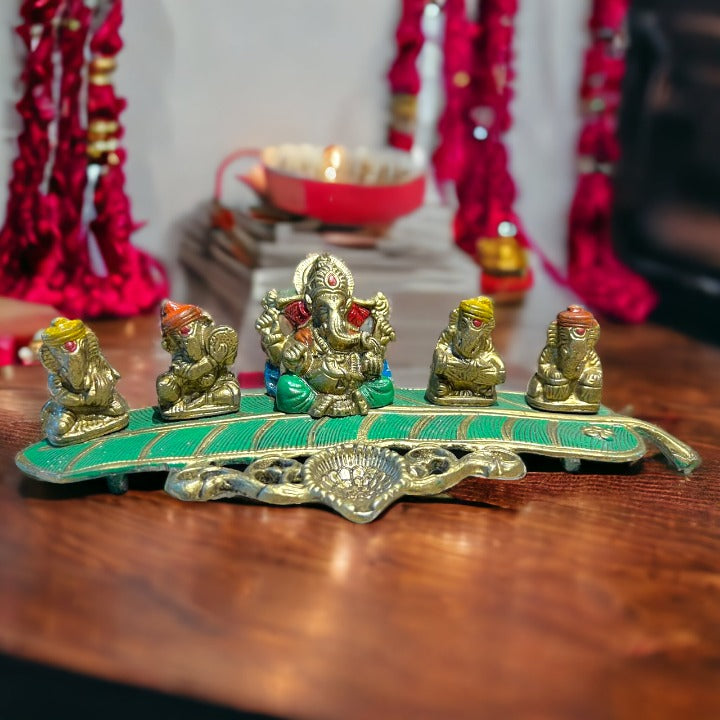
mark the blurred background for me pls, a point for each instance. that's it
(203, 79)
(667, 207)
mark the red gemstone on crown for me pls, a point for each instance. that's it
(184, 330)
(70, 346)
(477, 322)
(332, 281)
(580, 331)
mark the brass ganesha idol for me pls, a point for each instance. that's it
(325, 347)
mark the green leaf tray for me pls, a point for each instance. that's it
(357, 465)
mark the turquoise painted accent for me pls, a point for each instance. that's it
(443, 427)
(294, 395)
(186, 439)
(271, 377)
(386, 371)
(292, 433)
(332, 431)
(378, 393)
(487, 426)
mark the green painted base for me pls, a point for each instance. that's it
(258, 431)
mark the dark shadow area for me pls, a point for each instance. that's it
(41, 490)
(688, 309)
(464, 497)
(29, 691)
(667, 185)
(543, 464)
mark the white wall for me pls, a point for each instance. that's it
(203, 78)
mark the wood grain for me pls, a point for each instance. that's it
(590, 595)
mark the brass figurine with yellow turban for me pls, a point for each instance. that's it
(569, 374)
(199, 382)
(84, 403)
(465, 366)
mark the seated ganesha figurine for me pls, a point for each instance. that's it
(199, 382)
(325, 347)
(569, 374)
(84, 403)
(465, 367)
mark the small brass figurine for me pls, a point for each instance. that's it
(198, 383)
(326, 348)
(84, 403)
(569, 374)
(465, 367)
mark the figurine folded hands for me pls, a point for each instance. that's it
(569, 373)
(465, 367)
(199, 382)
(326, 348)
(84, 402)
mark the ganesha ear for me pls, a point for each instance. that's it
(454, 315)
(48, 360)
(552, 333)
(92, 344)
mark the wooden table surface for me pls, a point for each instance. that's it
(589, 595)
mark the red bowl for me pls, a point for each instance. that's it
(290, 177)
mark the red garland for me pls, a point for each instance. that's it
(457, 60)
(30, 230)
(44, 242)
(478, 77)
(69, 261)
(595, 272)
(403, 76)
(69, 171)
(136, 282)
(485, 188)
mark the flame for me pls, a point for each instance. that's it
(333, 156)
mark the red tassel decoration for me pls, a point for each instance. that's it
(458, 40)
(135, 281)
(595, 272)
(486, 225)
(44, 253)
(30, 228)
(404, 77)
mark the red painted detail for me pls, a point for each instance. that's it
(506, 288)
(357, 315)
(251, 379)
(297, 313)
